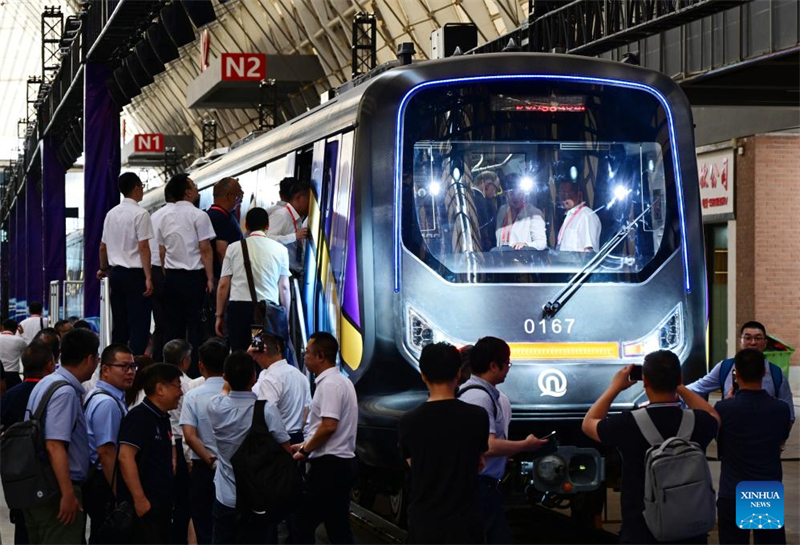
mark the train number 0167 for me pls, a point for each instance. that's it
(556, 326)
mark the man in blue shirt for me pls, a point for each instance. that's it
(231, 415)
(754, 425)
(753, 335)
(62, 520)
(228, 195)
(37, 362)
(490, 360)
(145, 454)
(104, 410)
(197, 433)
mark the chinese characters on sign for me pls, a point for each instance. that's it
(716, 175)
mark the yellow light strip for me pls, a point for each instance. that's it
(564, 351)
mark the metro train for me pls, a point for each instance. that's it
(396, 259)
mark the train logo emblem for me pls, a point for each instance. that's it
(552, 382)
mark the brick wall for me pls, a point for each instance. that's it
(768, 236)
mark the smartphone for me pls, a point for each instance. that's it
(635, 374)
(256, 333)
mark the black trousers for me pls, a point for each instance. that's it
(185, 291)
(130, 309)
(730, 533)
(495, 523)
(239, 318)
(159, 314)
(153, 527)
(232, 526)
(97, 496)
(326, 499)
(203, 497)
(182, 506)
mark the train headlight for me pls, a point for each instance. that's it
(420, 333)
(668, 335)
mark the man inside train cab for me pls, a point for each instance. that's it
(580, 231)
(287, 225)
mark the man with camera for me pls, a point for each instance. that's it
(255, 271)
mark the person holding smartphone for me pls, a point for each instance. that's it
(490, 362)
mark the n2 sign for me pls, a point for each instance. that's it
(148, 143)
(244, 66)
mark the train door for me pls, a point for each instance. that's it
(716, 235)
(329, 224)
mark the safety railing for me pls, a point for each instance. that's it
(73, 298)
(105, 314)
(55, 301)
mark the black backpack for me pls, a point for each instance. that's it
(267, 479)
(28, 478)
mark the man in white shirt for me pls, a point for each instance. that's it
(519, 223)
(126, 251)
(12, 348)
(288, 224)
(159, 295)
(580, 231)
(330, 445)
(33, 324)
(283, 385)
(269, 262)
(184, 240)
(284, 190)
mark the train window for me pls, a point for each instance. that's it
(528, 182)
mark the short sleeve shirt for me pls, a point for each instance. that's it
(754, 424)
(181, 232)
(269, 261)
(125, 226)
(226, 228)
(64, 419)
(156, 218)
(580, 230)
(621, 431)
(499, 420)
(335, 397)
(147, 428)
(104, 415)
(195, 412)
(11, 349)
(287, 388)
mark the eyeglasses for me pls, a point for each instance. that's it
(751, 338)
(173, 384)
(125, 366)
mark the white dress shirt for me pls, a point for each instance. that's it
(335, 397)
(580, 230)
(11, 349)
(181, 231)
(287, 388)
(284, 222)
(33, 325)
(157, 218)
(527, 228)
(269, 261)
(125, 226)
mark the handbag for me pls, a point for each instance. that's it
(259, 307)
(117, 527)
(271, 318)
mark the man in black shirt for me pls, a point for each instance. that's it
(663, 385)
(145, 454)
(754, 425)
(227, 196)
(443, 442)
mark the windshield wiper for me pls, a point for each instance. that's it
(551, 308)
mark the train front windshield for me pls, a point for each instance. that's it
(526, 181)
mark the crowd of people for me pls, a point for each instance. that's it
(173, 449)
(111, 446)
(213, 436)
